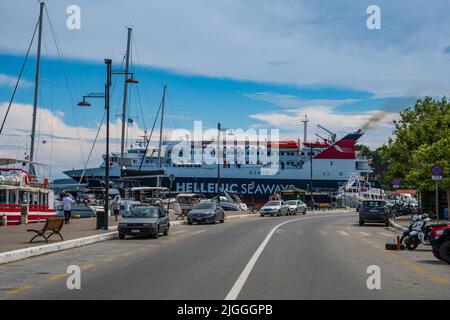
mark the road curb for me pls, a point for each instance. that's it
(397, 226)
(16, 255)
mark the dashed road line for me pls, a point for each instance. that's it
(88, 266)
(126, 254)
(364, 234)
(343, 233)
(20, 289)
(439, 280)
(385, 234)
(58, 276)
(322, 233)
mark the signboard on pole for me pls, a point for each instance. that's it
(437, 170)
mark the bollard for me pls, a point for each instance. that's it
(4, 220)
(398, 244)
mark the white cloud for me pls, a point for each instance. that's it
(286, 41)
(10, 81)
(340, 123)
(58, 144)
(284, 100)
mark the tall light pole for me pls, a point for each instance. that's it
(102, 220)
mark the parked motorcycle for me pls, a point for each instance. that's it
(440, 240)
(418, 233)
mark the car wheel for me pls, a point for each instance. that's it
(223, 219)
(279, 213)
(215, 219)
(156, 235)
(262, 215)
(190, 223)
(437, 254)
(304, 212)
(387, 224)
(444, 251)
(361, 222)
(166, 231)
(121, 236)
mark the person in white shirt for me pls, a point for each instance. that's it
(67, 207)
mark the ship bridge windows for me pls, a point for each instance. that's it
(3, 196)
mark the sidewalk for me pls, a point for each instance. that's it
(17, 237)
(404, 221)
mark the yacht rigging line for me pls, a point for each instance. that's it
(18, 79)
(98, 132)
(92, 148)
(150, 136)
(66, 79)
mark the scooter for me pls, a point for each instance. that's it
(418, 233)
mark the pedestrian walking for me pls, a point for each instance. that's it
(116, 207)
(68, 201)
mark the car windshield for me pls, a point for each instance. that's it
(374, 204)
(291, 203)
(143, 212)
(205, 205)
(273, 203)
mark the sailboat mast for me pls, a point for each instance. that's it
(125, 93)
(163, 103)
(36, 89)
(162, 124)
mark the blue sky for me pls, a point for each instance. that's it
(261, 64)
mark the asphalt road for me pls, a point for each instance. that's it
(322, 256)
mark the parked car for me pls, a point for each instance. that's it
(144, 221)
(293, 207)
(440, 240)
(373, 211)
(272, 208)
(206, 212)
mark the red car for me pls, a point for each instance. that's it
(440, 240)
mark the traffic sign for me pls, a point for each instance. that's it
(437, 170)
(436, 178)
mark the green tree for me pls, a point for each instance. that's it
(421, 139)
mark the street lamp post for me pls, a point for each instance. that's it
(102, 220)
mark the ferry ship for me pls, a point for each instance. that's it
(322, 166)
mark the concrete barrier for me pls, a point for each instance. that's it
(396, 226)
(16, 255)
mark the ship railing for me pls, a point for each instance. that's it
(9, 206)
(10, 183)
(38, 207)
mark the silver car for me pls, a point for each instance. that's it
(272, 208)
(144, 221)
(293, 207)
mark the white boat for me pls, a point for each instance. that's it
(22, 199)
(356, 190)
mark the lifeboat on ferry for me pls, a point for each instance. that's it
(283, 145)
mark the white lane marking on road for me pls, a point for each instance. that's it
(386, 234)
(365, 234)
(178, 232)
(343, 233)
(299, 232)
(197, 232)
(322, 233)
(239, 284)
